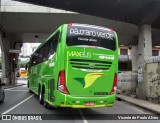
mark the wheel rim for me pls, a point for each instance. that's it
(40, 96)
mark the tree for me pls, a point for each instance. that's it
(22, 63)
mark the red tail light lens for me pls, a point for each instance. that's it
(114, 88)
(112, 30)
(70, 24)
(62, 82)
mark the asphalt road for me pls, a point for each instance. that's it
(19, 101)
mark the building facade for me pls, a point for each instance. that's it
(28, 48)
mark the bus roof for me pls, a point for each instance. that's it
(91, 26)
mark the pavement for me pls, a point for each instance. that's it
(11, 86)
(19, 101)
(20, 82)
(155, 108)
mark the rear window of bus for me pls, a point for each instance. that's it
(88, 36)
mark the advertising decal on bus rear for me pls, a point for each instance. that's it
(91, 37)
(89, 79)
(92, 33)
(89, 55)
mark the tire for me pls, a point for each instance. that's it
(41, 97)
(28, 84)
(30, 91)
(3, 97)
(119, 99)
(46, 105)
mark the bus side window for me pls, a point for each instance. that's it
(53, 45)
(28, 66)
(30, 62)
(33, 62)
(51, 50)
(55, 41)
(44, 53)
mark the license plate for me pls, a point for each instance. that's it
(89, 104)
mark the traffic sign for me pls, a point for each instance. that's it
(14, 51)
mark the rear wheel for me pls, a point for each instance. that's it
(2, 98)
(41, 97)
(119, 99)
(30, 91)
(46, 105)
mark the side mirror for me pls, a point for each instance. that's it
(26, 67)
(3, 84)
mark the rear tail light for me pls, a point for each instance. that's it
(112, 30)
(62, 82)
(114, 88)
(70, 24)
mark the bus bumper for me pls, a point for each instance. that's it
(65, 100)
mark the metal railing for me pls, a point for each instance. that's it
(124, 57)
(152, 59)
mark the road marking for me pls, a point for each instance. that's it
(18, 104)
(83, 117)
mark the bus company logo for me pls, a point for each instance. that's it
(89, 79)
(92, 65)
(93, 33)
(79, 54)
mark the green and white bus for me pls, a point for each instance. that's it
(76, 67)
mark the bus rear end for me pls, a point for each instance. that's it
(89, 78)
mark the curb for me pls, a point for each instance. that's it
(157, 112)
(12, 86)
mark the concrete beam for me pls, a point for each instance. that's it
(16, 6)
(152, 12)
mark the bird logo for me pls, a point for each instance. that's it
(89, 79)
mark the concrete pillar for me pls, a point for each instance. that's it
(6, 61)
(144, 51)
(134, 57)
(144, 44)
(134, 74)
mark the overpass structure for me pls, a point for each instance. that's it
(136, 22)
